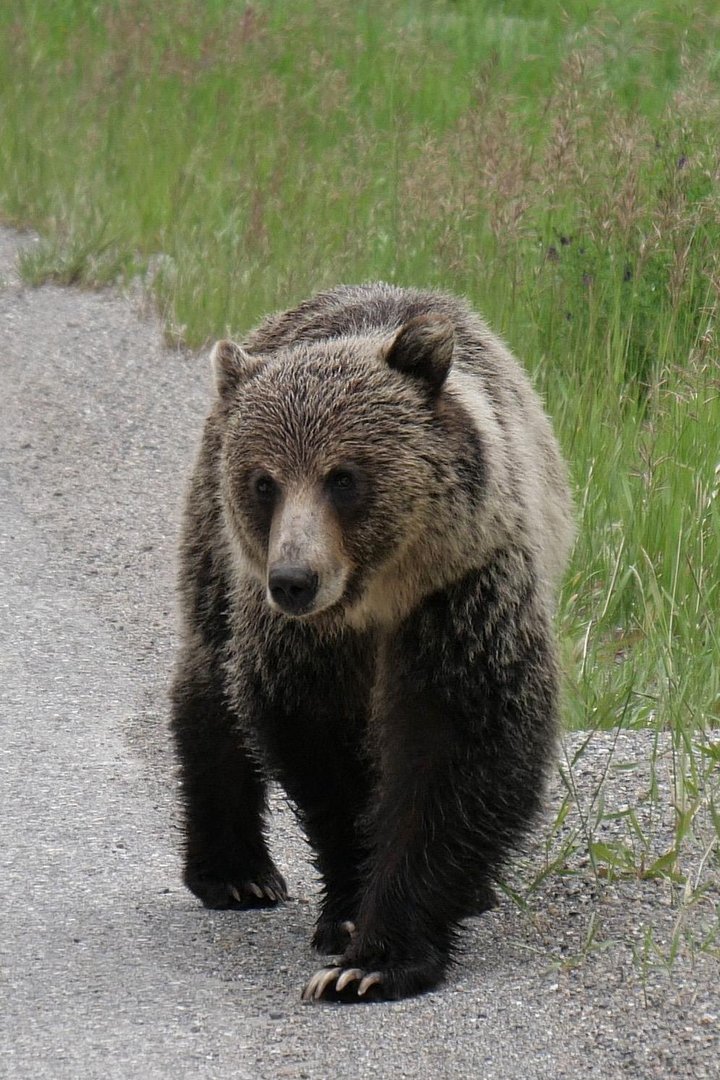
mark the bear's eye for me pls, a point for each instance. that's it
(341, 480)
(344, 487)
(264, 487)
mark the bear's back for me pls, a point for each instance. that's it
(351, 311)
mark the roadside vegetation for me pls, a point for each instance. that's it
(557, 164)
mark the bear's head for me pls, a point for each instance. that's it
(331, 461)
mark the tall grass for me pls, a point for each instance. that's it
(557, 164)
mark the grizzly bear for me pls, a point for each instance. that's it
(374, 533)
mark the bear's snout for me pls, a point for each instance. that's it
(293, 588)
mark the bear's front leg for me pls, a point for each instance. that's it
(464, 729)
(227, 862)
(401, 940)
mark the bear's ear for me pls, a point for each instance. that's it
(423, 349)
(230, 365)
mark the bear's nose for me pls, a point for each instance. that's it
(293, 588)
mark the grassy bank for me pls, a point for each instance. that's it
(558, 167)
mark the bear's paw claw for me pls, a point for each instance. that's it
(262, 891)
(342, 984)
(375, 978)
(333, 937)
(348, 975)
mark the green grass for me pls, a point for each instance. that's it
(558, 164)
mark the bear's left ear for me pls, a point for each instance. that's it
(423, 349)
(230, 365)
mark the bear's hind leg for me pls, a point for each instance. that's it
(330, 822)
(227, 862)
(338, 858)
(328, 781)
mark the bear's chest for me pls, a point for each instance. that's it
(300, 706)
(320, 676)
(293, 690)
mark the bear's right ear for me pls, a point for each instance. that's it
(230, 365)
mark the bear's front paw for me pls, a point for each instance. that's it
(264, 889)
(356, 980)
(346, 984)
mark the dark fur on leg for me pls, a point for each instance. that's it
(227, 863)
(313, 737)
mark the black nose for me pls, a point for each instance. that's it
(293, 588)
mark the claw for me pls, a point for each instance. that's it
(327, 978)
(234, 893)
(271, 894)
(319, 983)
(348, 976)
(373, 979)
(256, 890)
(348, 927)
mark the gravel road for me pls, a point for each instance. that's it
(109, 967)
